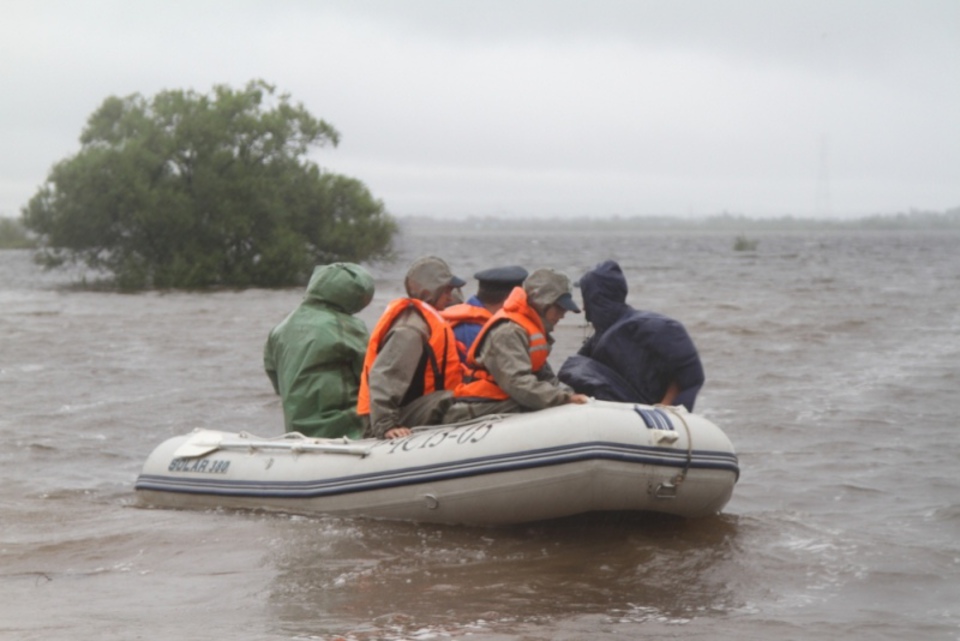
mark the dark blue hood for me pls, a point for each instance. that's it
(604, 291)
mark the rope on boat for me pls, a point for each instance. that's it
(679, 478)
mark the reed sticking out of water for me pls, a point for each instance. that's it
(744, 244)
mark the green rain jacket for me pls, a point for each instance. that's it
(315, 356)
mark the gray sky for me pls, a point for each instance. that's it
(834, 108)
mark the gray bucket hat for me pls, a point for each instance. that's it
(547, 287)
(430, 275)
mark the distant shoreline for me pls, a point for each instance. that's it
(913, 220)
(14, 236)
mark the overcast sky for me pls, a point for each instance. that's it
(833, 108)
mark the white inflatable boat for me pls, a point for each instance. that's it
(497, 470)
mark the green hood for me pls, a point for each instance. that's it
(346, 286)
(314, 357)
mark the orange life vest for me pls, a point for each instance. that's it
(478, 382)
(465, 313)
(443, 365)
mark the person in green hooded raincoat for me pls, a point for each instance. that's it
(315, 356)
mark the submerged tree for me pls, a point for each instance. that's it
(189, 190)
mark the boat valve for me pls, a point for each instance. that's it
(668, 489)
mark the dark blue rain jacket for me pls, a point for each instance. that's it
(633, 356)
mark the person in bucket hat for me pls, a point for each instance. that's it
(411, 364)
(507, 369)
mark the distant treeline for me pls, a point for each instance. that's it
(913, 219)
(13, 235)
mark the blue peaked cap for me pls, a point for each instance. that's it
(510, 275)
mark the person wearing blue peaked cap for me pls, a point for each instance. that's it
(495, 284)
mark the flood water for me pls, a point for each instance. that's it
(832, 362)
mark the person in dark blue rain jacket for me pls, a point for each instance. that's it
(633, 356)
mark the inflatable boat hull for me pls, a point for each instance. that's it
(500, 470)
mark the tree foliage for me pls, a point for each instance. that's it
(190, 191)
